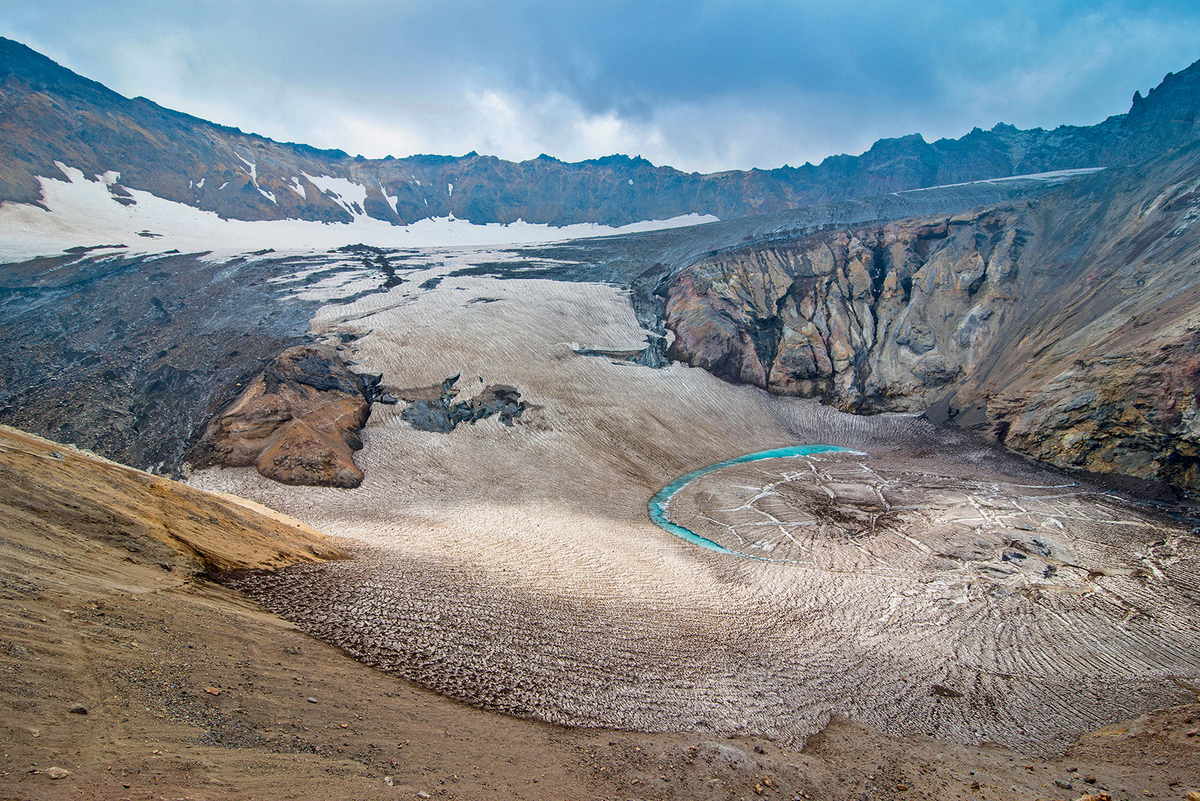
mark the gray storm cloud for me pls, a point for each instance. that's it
(701, 86)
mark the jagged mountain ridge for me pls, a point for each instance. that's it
(49, 114)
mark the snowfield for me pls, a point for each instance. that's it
(82, 212)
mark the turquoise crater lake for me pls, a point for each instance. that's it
(660, 505)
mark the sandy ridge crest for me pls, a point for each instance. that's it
(75, 490)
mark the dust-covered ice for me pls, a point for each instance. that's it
(931, 586)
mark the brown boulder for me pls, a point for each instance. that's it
(301, 454)
(297, 423)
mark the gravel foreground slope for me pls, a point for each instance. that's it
(193, 692)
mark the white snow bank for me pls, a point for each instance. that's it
(254, 180)
(253, 168)
(394, 202)
(1055, 176)
(83, 213)
(347, 192)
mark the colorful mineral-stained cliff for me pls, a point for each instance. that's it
(1065, 327)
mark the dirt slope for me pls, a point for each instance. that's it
(193, 692)
(78, 500)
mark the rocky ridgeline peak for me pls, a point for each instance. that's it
(248, 177)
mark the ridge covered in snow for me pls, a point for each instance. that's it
(243, 176)
(83, 212)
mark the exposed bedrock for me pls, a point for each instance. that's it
(435, 408)
(1067, 327)
(297, 422)
(857, 317)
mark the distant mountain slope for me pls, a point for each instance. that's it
(49, 114)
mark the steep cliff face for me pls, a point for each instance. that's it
(48, 114)
(1067, 327)
(857, 317)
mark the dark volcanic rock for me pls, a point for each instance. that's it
(434, 408)
(297, 423)
(653, 355)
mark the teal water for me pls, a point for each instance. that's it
(660, 504)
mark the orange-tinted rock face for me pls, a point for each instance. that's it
(297, 423)
(301, 454)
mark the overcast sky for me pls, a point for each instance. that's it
(706, 86)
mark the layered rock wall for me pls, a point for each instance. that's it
(1067, 327)
(863, 318)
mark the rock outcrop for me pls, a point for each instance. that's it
(1066, 327)
(297, 422)
(142, 146)
(856, 317)
(435, 408)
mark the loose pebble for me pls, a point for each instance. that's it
(57, 773)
